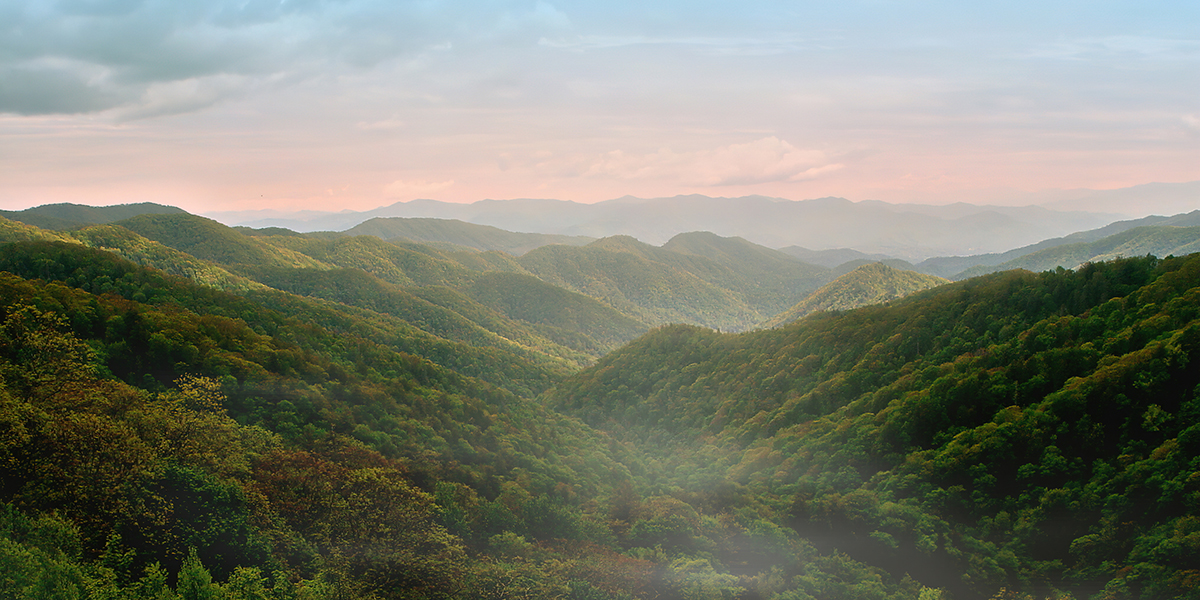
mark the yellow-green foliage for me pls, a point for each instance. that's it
(208, 240)
(390, 262)
(16, 231)
(137, 249)
(518, 308)
(652, 285)
(487, 261)
(874, 283)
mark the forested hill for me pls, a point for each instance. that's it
(1161, 240)
(872, 283)
(445, 328)
(70, 216)
(1036, 432)
(961, 267)
(701, 278)
(446, 295)
(156, 434)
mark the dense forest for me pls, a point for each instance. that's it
(865, 285)
(283, 416)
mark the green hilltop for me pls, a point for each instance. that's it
(486, 342)
(872, 283)
(209, 240)
(72, 216)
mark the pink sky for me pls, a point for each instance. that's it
(368, 103)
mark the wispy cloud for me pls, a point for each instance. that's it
(384, 124)
(765, 160)
(1122, 46)
(414, 188)
(183, 95)
(722, 46)
(1192, 122)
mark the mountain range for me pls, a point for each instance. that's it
(908, 231)
(954, 265)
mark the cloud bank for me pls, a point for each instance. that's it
(765, 160)
(414, 189)
(149, 58)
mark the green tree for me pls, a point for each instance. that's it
(195, 582)
(153, 584)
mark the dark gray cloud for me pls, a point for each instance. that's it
(53, 89)
(77, 56)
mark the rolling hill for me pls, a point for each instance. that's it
(957, 267)
(618, 272)
(362, 271)
(767, 278)
(209, 240)
(71, 216)
(873, 283)
(1139, 241)
(198, 435)
(737, 288)
(485, 343)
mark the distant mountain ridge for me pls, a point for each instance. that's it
(1157, 198)
(956, 266)
(911, 232)
(1160, 241)
(460, 233)
(831, 257)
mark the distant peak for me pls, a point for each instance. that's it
(828, 201)
(619, 242)
(876, 267)
(707, 235)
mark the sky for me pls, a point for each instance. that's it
(221, 105)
